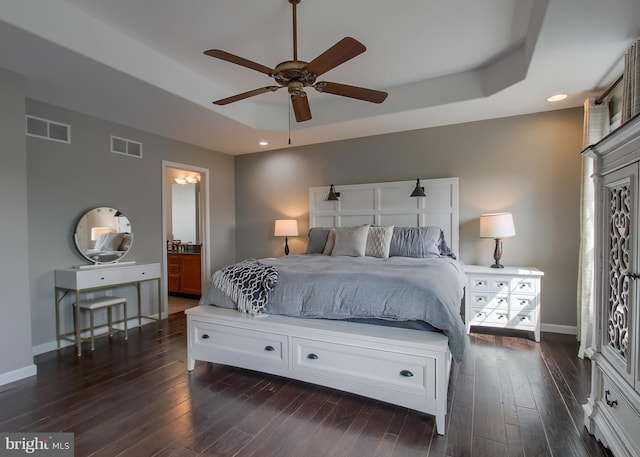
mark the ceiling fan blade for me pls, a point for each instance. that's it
(339, 53)
(301, 107)
(359, 93)
(223, 55)
(242, 96)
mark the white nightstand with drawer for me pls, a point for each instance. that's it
(503, 298)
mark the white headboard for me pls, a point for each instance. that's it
(388, 203)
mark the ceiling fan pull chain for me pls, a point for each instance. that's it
(289, 113)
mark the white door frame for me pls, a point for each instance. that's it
(205, 226)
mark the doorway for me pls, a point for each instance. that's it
(185, 229)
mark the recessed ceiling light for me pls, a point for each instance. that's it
(557, 97)
(264, 143)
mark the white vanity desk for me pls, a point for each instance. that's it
(86, 280)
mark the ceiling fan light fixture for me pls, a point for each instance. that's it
(296, 74)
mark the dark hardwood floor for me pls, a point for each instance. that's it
(510, 397)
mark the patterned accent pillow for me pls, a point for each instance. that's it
(379, 241)
(351, 241)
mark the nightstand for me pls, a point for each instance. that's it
(503, 298)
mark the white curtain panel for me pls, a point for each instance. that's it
(596, 126)
(631, 83)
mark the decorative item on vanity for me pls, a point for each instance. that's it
(286, 228)
(103, 236)
(497, 226)
(418, 191)
(333, 195)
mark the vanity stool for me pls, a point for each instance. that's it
(109, 303)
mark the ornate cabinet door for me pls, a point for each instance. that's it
(620, 271)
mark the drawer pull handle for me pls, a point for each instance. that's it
(610, 403)
(523, 318)
(205, 337)
(502, 284)
(312, 356)
(406, 373)
(269, 349)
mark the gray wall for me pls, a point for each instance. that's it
(65, 180)
(15, 313)
(528, 165)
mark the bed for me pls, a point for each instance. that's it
(385, 325)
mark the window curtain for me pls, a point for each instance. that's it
(596, 126)
(631, 83)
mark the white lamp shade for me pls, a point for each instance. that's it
(497, 226)
(286, 227)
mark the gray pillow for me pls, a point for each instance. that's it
(317, 240)
(351, 241)
(415, 241)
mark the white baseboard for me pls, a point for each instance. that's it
(16, 375)
(52, 345)
(564, 329)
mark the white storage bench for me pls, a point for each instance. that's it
(409, 368)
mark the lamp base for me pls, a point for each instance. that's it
(497, 254)
(286, 246)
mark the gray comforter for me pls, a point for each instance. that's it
(393, 289)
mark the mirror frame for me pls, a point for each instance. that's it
(82, 232)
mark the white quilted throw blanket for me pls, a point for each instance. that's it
(248, 284)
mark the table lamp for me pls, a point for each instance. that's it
(497, 226)
(286, 228)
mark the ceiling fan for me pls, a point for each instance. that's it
(296, 74)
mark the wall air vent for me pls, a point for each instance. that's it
(48, 130)
(126, 147)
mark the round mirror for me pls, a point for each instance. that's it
(103, 235)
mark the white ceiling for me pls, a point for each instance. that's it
(141, 62)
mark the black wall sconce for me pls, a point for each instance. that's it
(333, 195)
(418, 191)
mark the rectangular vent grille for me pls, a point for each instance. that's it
(48, 130)
(126, 147)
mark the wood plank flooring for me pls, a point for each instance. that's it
(510, 397)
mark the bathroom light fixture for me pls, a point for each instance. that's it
(263, 143)
(333, 195)
(418, 191)
(497, 226)
(286, 228)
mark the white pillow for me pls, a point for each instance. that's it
(379, 241)
(351, 241)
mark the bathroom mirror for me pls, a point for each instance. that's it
(103, 235)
